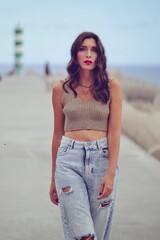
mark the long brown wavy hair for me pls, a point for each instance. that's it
(100, 86)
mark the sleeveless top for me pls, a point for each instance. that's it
(80, 115)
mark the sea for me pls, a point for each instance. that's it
(144, 73)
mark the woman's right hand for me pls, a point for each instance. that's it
(53, 194)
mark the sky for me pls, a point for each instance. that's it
(129, 30)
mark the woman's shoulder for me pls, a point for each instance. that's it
(114, 83)
(115, 88)
(57, 89)
(58, 85)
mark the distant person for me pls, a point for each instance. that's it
(47, 69)
(86, 140)
(48, 78)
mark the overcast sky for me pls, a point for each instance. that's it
(129, 30)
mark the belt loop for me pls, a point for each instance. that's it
(98, 145)
(72, 144)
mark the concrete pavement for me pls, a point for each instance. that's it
(25, 165)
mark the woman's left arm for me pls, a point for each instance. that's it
(114, 127)
(114, 132)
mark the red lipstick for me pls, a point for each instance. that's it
(88, 62)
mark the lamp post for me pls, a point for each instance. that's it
(18, 49)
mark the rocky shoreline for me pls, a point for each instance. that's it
(141, 112)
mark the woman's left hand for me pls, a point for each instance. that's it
(106, 186)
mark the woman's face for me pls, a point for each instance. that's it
(87, 54)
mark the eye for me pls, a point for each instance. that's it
(81, 48)
(94, 49)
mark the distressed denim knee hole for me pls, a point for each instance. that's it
(66, 190)
(90, 237)
(106, 203)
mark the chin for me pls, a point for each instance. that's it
(89, 68)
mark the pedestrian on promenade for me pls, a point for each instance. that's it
(86, 140)
(47, 69)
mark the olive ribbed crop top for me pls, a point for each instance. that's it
(84, 115)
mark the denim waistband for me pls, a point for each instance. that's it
(98, 143)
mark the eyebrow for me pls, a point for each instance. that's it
(86, 46)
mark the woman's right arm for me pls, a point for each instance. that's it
(57, 94)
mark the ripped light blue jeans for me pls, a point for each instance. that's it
(80, 167)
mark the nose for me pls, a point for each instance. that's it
(88, 54)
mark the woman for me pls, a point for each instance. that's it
(85, 145)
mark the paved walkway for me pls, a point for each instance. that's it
(25, 165)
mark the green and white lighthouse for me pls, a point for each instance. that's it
(18, 54)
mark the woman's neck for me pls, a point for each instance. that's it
(86, 78)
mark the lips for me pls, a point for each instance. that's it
(88, 62)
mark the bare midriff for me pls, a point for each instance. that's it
(86, 135)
